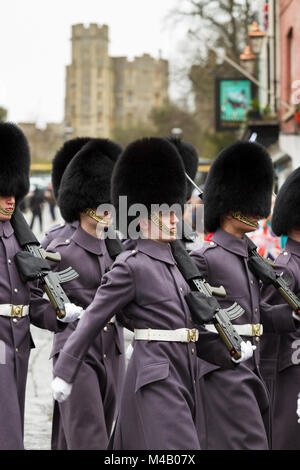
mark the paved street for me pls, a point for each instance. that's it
(38, 410)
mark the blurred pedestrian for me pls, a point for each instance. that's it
(49, 196)
(35, 205)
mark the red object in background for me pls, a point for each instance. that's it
(207, 237)
(297, 117)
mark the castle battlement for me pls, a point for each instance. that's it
(104, 92)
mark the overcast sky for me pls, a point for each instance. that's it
(35, 46)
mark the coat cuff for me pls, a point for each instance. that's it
(66, 367)
(51, 321)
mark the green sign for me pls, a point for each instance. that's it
(233, 100)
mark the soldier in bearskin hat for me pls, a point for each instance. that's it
(190, 158)
(85, 185)
(59, 163)
(280, 353)
(237, 194)
(147, 287)
(21, 304)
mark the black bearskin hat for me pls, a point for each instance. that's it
(149, 171)
(190, 159)
(85, 182)
(239, 180)
(14, 161)
(62, 158)
(286, 213)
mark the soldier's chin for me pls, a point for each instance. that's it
(172, 236)
(5, 218)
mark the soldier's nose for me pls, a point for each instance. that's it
(11, 200)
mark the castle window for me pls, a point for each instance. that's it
(129, 119)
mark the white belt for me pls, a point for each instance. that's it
(182, 335)
(243, 330)
(9, 310)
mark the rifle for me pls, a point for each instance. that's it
(32, 264)
(264, 271)
(220, 317)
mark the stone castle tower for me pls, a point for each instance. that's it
(103, 92)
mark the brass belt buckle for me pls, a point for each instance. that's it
(256, 330)
(17, 310)
(192, 335)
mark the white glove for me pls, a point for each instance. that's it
(72, 313)
(246, 350)
(296, 316)
(60, 389)
(298, 408)
(129, 352)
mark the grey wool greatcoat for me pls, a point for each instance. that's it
(236, 401)
(85, 420)
(160, 403)
(16, 340)
(280, 358)
(61, 231)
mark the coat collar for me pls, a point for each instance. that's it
(293, 247)
(156, 250)
(6, 229)
(88, 242)
(231, 243)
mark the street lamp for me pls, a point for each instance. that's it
(176, 132)
(255, 38)
(248, 59)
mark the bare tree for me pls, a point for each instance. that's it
(223, 23)
(3, 114)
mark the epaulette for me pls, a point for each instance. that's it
(126, 255)
(207, 245)
(283, 257)
(129, 244)
(54, 228)
(58, 242)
